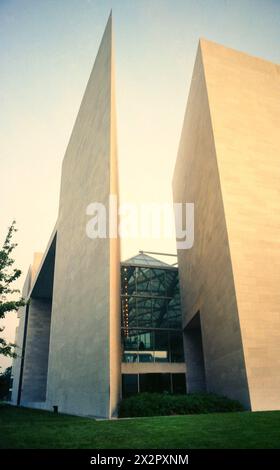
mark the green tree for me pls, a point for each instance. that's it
(8, 275)
(5, 383)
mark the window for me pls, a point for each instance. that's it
(174, 312)
(130, 346)
(151, 315)
(154, 383)
(179, 383)
(171, 383)
(176, 347)
(129, 384)
(161, 346)
(144, 312)
(157, 284)
(146, 346)
(129, 312)
(160, 319)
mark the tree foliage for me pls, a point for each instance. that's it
(8, 275)
(5, 383)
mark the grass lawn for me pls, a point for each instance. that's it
(26, 428)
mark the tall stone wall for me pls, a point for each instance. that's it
(85, 331)
(34, 379)
(228, 165)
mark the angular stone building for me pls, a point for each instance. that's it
(228, 165)
(97, 329)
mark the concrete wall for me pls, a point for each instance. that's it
(228, 165)
(34, 379)
(84, 360)
(22, 315)
(196, 381)
(16, 367)
(244, 97)
(205, 271)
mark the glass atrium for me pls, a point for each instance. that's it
(151, 320)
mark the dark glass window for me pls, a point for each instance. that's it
(146, 346)
(174, 312)
(160, 319)
(138, 345)
(130, 345)
(151, 315)
(129, 384)
(129, 312)
(161, 346)
(134, 383)
(144, 311)
(143, 281)
(150, 282)
(157, 284)
(176, 347)
(171, 282)
(154, 383)
(179, 383)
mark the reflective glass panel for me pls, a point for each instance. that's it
(154, 383)
(129, 384)
(144, 312)
(174, 312)
(157, 282)
(161, 346)
(160, 318)
(146, 346)
(179, 383)
(143, 280)
(176, 347)
(129, 312)
(130, 345)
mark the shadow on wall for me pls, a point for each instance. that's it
(196, 381)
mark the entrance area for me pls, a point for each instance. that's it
(35, 350)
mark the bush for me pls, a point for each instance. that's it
(158, 404)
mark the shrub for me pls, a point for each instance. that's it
(164, 404)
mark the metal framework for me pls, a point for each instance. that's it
(151, 312)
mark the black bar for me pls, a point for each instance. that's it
(128, 458)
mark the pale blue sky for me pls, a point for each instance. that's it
(47, 49)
